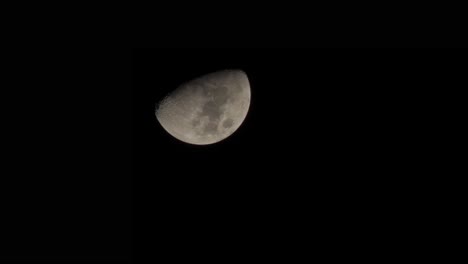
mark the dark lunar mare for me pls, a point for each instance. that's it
(213, 109)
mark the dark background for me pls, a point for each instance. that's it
(66, 173)
(328, 164)
(338, 156)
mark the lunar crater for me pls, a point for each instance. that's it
(228, 123)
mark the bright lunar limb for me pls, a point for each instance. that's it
(208, 109)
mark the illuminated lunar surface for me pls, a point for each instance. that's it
(208, 109)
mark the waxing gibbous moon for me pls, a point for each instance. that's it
(207, 109)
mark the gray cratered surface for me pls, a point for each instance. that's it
(208, 109)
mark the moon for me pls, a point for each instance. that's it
(207, 109)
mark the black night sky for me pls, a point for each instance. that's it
(328, 164)
(325, 160)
